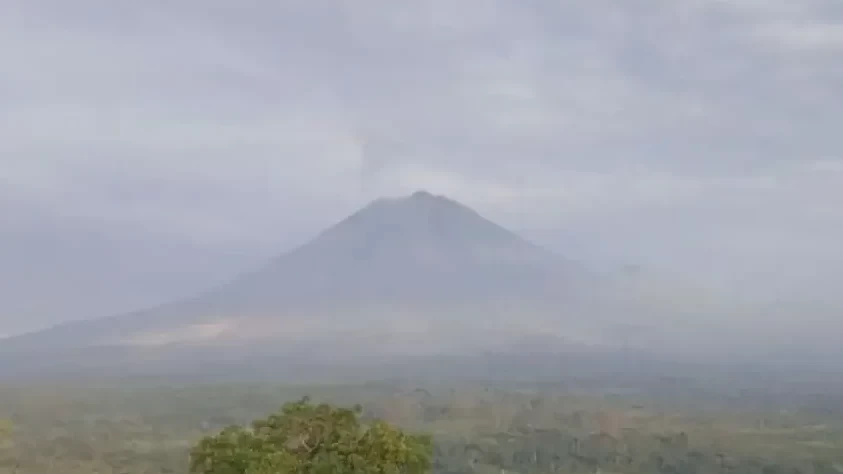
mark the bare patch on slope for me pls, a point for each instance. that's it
(195, 333)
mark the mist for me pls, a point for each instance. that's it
(151, 152)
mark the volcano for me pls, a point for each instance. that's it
(414, 278)
(420, 269)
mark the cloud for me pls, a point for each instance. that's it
(220, 127)
(817, 37)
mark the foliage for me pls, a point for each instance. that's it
(150, 426)
(312, 439)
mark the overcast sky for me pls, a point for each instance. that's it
(151, 148)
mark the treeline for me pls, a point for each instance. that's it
(474, 430)
(553, 451)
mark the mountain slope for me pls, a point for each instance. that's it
(421, 247)
(420, 264)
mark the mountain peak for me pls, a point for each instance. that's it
(421, 229)
(422, 194)
(420, 208)
(421, 248)
(417, 197)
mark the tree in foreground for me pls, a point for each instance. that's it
(304, 438)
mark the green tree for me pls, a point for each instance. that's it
(304, 438)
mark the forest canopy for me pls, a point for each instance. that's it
(306, 438)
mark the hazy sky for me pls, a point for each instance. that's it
(151, 148)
